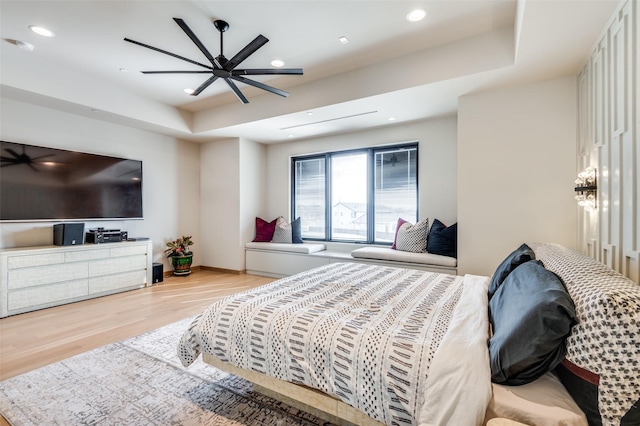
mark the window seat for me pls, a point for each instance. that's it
(293, 248)
(280, 260)
(384, 253)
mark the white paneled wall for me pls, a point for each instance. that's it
(608, 139)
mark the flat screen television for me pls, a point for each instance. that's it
(38, 183)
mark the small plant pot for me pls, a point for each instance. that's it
(181, 265)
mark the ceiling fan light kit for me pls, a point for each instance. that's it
(224, 68)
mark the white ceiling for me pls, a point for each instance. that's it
(390, 68)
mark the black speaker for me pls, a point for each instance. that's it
(68, 234)
(158, 273)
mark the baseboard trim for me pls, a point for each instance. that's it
(228, 271)
(170, 273)
(208, 268)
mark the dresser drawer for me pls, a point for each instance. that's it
(117, 281)
(117, 264)
(14, 262)
(47, 295)
(41, 275)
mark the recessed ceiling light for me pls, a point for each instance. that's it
(391, 119)
(189, 91)
(416, 15)
(343, 40)
(277, 63)
(309, 113)
(41, 31)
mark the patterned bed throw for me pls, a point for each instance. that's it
(403, 346)
(606, 340)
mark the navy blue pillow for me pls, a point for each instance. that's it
(531, 314)
(522, 254)
(296, 232)
(443, 240)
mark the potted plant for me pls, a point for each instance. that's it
(180, 254)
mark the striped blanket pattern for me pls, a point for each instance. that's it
(364, 334)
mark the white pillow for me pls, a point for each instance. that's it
(412, 238)
(282, 233)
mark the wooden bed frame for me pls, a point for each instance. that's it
(302, 397)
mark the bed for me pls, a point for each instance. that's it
(379, 339)
(371, 345)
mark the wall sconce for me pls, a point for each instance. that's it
(587, 188)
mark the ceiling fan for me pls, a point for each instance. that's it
(16, 159)
(221, 67)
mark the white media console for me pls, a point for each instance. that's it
(33, 278)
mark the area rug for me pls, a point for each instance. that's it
(140, 381)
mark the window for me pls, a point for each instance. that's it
(309, 193)
(356, 195)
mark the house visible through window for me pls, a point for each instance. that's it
(356, 195)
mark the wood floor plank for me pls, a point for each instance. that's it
(34, 339)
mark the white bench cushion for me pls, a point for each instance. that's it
(383, 253)
(294, 248)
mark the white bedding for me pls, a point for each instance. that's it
(403, 346)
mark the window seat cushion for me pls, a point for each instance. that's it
(294, 248)
(383, 253)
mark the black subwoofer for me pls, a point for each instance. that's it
(158, 274)
(68, 234)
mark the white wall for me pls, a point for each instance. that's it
(233, 182)
(436, 162)
(253, 196)
(516, 168)
(171, 171)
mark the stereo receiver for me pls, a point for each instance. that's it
(101, 235)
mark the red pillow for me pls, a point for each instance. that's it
(264, 230)
(395, 237)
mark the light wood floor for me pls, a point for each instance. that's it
(35, 339)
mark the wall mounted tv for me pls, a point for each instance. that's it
(38, 183)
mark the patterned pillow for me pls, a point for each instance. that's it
(264, 230)
(287, 232)
(605, 343)
(412, 238)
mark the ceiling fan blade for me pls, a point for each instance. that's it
(237, 91)
(261, 86)
(42, 156)
(247, 51)
(12, 152)
(195, 39)
(175, 72)
(204, 85)
(167, 53)
(265, 71)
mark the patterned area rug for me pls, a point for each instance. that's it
(140, 381)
